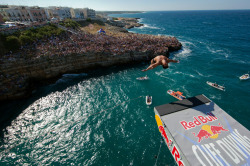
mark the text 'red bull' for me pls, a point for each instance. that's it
(199, 120)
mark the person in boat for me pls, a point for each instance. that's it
(149, 99)
(160, 60)
(181, 97)
(178, 95)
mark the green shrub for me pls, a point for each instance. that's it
(88, 19)
(12, 43)
(59, 31)
(25, 39)
(70, 24)
(39, 36)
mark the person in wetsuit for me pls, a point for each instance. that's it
(160, 60)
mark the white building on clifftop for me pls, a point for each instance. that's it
(89, 13)
(36, 13)
(78, 13)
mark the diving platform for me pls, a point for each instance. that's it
(198, 132)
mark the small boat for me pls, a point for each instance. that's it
(143, 78)
(216, 86)
(148, 100)
(178, 95)
(244, 77)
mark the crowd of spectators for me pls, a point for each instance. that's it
(82, 43)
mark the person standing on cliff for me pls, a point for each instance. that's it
(160, 60)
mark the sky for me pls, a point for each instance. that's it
(137, 5)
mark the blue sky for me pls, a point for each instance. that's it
(137, 5)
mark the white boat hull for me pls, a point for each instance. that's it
(217, 87)
(244, 77)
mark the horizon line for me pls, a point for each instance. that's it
(166, 10)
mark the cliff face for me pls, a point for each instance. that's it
(18, 75)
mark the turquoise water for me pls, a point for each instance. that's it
(100, 118)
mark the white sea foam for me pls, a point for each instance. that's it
(159, 34)
(215, 51)
(131, 31)
(187, 43)
(200, 74)
(185, 51)
(167, 78)
(243, 62)
(207, 23)
(148, 26)
(159, 72)
(140, 20)
(218, 97)
(190, 75)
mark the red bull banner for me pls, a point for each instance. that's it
(199, 132)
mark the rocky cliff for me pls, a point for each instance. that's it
(18, 76)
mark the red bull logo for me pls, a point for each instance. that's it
(208, 131)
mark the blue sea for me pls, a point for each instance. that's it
(100, 117)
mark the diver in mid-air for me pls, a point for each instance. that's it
(160, 60)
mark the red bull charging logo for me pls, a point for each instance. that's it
(208, 131)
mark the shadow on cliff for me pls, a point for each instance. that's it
(10, 110)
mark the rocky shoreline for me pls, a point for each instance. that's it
(127, 23)
(19, 77)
